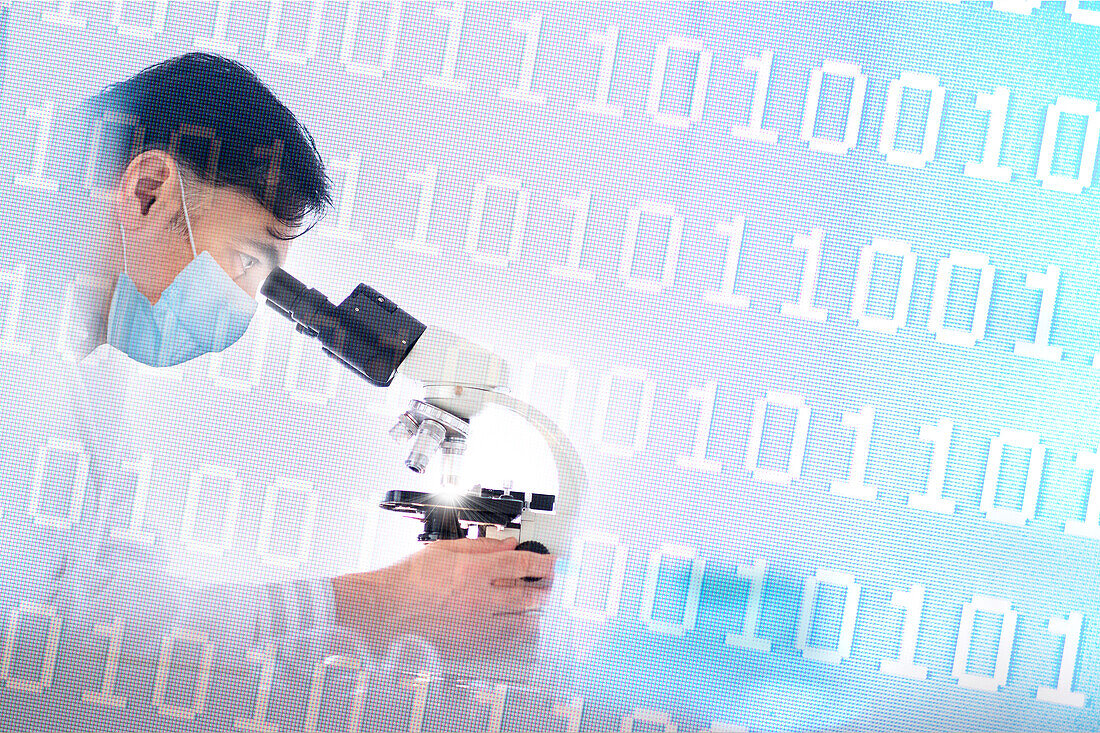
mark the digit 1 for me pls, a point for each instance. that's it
(1088, 461)
(580, 205)
(218, 42)
(912, 601)
(36, 180)
(734, 233)
(1040, 348)
(609, 41)
(143, 468)
(367, 538)
(257, 723)
(454, 13)
(748, 639)
(862, 423)
(939, 435)
(762, 65)
(1063, 694)
(420, 684)
(106, 693)
(804, 308)
(532, 29)
(65, 325)
(990, 168)
(345, 207)
(426, 180)
(698, 460)
(274, 155)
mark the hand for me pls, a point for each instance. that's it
(465, 597)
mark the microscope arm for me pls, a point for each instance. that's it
(553, 529)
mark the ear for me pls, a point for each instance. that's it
(148, 194)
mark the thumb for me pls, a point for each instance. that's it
(478, 545)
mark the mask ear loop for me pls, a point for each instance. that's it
(186, 216)
(122, 233)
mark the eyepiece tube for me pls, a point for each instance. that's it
(366, 332)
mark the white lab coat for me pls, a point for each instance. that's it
(63, 569)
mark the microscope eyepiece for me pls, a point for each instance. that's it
(282, 290)
(367, 332)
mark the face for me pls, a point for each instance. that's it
(243, 237)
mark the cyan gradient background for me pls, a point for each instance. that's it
(680, 341)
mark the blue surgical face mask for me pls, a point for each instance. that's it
(201, 311)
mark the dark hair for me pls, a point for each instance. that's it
(216, 117)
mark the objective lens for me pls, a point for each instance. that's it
(429, 436)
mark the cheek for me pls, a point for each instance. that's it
(226, 257)
(230, 262)
(251, 281)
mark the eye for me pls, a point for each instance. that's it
(247, 262)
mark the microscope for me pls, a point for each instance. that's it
(374, 338)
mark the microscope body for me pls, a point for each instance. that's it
(376, 339)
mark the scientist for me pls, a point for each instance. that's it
(198, 179)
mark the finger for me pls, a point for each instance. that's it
(517, 600)
(544, 582)
(520, 564)
(477, 545)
